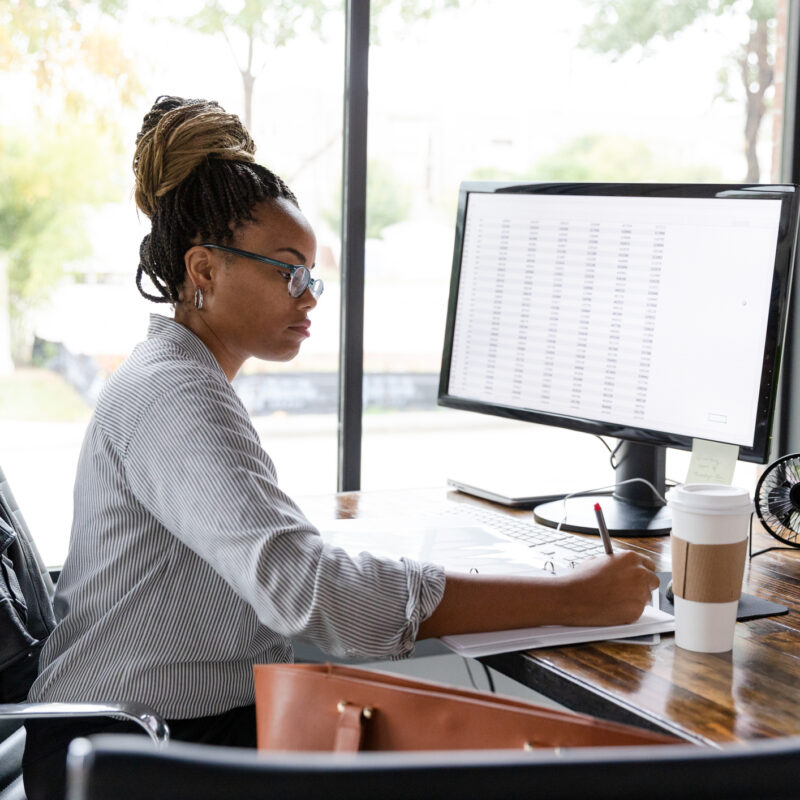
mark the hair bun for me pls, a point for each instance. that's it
(176, 136)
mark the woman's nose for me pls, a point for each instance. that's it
(307, 300)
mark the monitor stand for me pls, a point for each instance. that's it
(633, 509)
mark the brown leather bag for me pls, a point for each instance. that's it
(329, 707)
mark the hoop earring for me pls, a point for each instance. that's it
(198, 298)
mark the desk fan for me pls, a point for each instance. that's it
(778, 501)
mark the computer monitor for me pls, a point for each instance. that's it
(653, 313)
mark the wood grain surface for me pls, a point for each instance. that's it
(750, 693)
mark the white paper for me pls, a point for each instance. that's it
(648, 638)
(712, 462)
(487, 644)
(456, 545)
(460, 546)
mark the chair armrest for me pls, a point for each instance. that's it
(153, 724)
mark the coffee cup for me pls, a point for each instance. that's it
(710, 526)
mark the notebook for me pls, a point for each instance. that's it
(474, 645)
(462, 540)
(466, 538)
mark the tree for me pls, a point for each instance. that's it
(598, 157)
(48, 179)
(253, 27)
(62, 152)
(59, 43)
(615, 158)
(388, 201)
(619, 26)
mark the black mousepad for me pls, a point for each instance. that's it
(750, 607)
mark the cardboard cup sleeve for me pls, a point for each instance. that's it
(708, 573)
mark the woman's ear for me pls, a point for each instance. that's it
(199, 267)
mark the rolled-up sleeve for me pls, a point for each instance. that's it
(195, 463)
(425, 590)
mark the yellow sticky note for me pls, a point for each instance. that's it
(712, 462)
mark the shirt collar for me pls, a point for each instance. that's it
(162, 327)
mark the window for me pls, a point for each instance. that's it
(541, 92)
(506, 89)
(70, 231)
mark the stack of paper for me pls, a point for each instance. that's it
(461, 547)
(487, 644)
(452, 543)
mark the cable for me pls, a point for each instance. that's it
(613, 453)
(612, 460)
(469, 672)
(489, 677)
(612, 457)
(606, 488)
(605, 443)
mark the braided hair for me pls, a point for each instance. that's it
(196, 177)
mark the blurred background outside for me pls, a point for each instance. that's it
(590, 90)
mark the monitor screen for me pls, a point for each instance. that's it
(652, 313)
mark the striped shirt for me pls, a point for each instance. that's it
(187, 563)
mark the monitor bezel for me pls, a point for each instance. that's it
(786, 247)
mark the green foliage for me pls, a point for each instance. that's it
(63, 45)
(274, 22)
(615, 159)
(39, 394)
(251, 25)
(487, 173)
(605, 158)
(620, 25)
(388, 201)
(29, 29)
(763, 10)
(412, 10)
(248, 25)
(62, 152)
(405, 12)
(47, 180)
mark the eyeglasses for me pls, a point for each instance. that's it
(299, 276)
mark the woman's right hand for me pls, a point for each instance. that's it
(607, 589)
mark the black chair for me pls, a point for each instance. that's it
(110, 767)
(26, 619)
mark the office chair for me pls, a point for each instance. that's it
(107, 767)
(26, 619)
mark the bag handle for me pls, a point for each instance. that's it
(350, 727)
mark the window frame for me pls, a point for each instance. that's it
(786, 429)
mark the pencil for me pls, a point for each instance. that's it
(601, 524)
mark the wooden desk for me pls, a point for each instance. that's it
(751, 693)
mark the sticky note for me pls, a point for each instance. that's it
(712, 462)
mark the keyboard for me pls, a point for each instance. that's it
(556, 549)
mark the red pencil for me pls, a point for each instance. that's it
(604, 534)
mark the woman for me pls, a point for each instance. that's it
(187, 563)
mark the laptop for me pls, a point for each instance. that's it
(544, 481)
(504, 494)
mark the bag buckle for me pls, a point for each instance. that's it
(350, 726)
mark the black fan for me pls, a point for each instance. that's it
(778, 499)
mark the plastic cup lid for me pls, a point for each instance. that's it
(710, 498)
